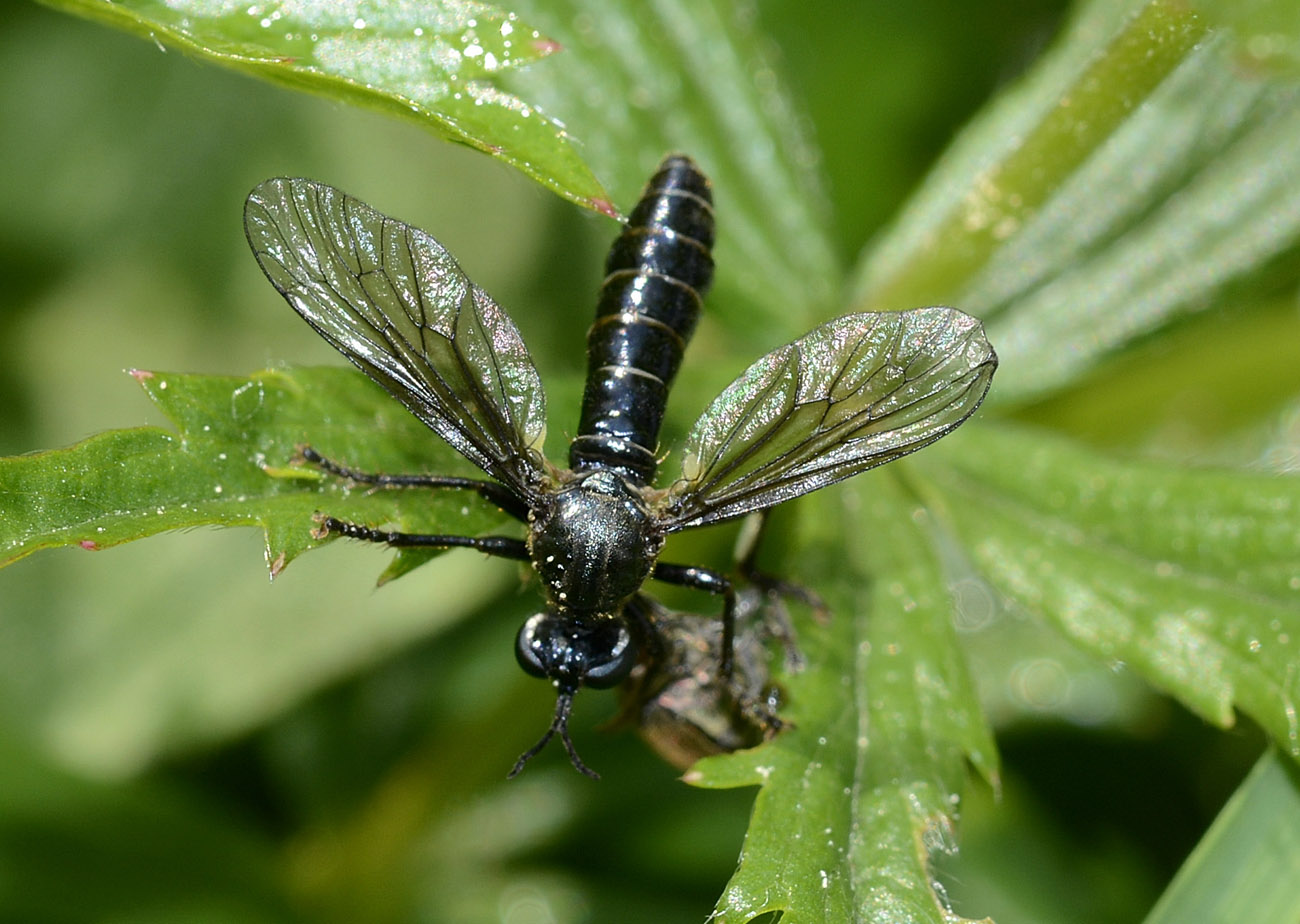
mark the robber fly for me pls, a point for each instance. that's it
(852, 394)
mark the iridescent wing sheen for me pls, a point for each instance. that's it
(393, 301)
(855, 393)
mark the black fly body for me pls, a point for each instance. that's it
(854, 393)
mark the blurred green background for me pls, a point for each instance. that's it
(365, 784)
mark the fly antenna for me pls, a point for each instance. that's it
(560, 723)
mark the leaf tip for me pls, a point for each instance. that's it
(605, 207)
(546, 46)
(277, 563)
(140, 375)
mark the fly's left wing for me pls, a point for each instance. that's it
(393, 301)
(855, 393)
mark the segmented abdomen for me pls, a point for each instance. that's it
(655, 276)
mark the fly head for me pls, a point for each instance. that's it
(573, 649)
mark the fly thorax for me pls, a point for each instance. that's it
(593, 543)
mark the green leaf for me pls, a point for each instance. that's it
(1266, 32)
(1186, 576)
(435, 63)
(1244, 867)
(1123, 185)
(1195, 391)
(1007, 166)
(210, 664)
(230, 463)
(864, 787)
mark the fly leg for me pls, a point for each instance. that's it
(490, 491)
(712, 582)
(776, 591)
(499, 546)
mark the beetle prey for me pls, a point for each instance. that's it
(854, 393)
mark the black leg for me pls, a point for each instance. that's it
(747, 544)
(776, 591)
(641, 613)
(710, 582)
(490, 491)
(500, 546)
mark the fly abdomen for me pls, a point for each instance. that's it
(655, 276)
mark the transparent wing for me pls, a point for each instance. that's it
(393, 301)
(855, 393)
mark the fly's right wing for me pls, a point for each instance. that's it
(393, 301)
(857, 392)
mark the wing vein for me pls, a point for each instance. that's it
(382, 293)
(888, 384)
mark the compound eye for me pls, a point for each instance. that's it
(610, 660)
(530, 646)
